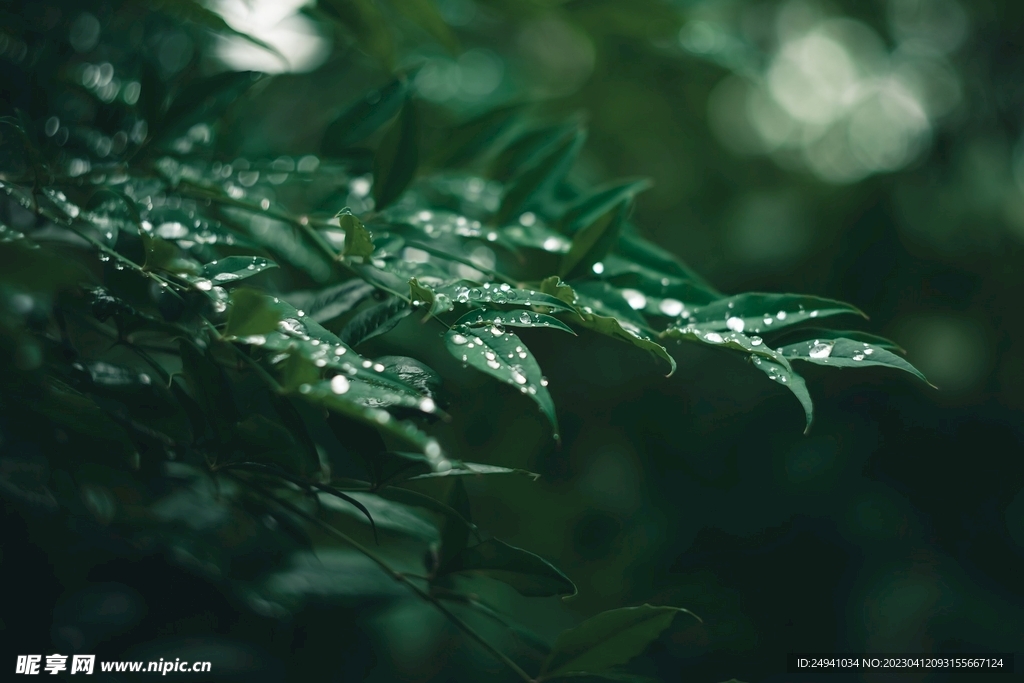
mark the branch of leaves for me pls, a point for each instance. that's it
(727, 322)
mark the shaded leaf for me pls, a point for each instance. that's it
(203, 100)
(396, 160)
(592, 241)
(474, 138)
(493, 293)
(366, 24)
(364, 117)
(386, 514)
(606, 640)
(424, 13)
(591, 206)
(784, 374)
(538, 180)
(329, 303)
(374, 321)
(528, 574)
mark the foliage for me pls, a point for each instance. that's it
(187, 338)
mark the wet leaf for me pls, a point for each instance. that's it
(490, 318)
(502, 354)
(839, 352)
(592, 241)
(763, 313)
(329, 303)
(374, 321)
(226, 271)
(590, 207)
(252, 313)
(358, 240)
(475, 137)
(606, 640)
(386, 514)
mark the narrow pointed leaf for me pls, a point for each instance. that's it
(396, 160)
(784, 374)
(763, 313)
(374, 321)
(529, 574)
(386, 514)
(363, 118)
(606, 640)
(491, 293)
(592, 242)
(490, 317)
(591, 206)
(329, 303)
(424, 13)
(847, 353)
(536, 182)
(475, 137)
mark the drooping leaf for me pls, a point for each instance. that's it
(386, 514)
(491, 293)
(606, 640)
(397, 158)
(226, 271)
(529, 574)
(202, 100)
(786, 375)
(376, 320)
(413, 373)
(253, 313)
(196, 12)
(537, 181)
(364, 117)
(524, 151)
(502, 354)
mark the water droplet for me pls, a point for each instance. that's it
(598, 268)
(497, 329)
(264, 203)
(204, 285)
(459, 339)
(378, 367)
(494, 364)
(671, 307)
(552, 244)
(814, 314)
(781, 315)
(524, 318)
(543, 381)
(636, 300)
(713, 337)
(340, 384)
(820, 350)
(858, 356)
(517, 375)
(735, 324)
(868, 351)
(427, 405)
(768, 320)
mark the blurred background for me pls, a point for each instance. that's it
(866, 151)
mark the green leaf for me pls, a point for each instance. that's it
(502, 354)
(654, 259)
(253, 313)
(190, 10)
(524, 151)
(590, 207)
(491, 293)
(763, 313)
(490, 317)
(592, 242)
(784, 374)
(847, 353)
(209, 387)
(536, 182)
(553, 286)
(423, 295)
(628, 332)
(268, 441)
(456, 529)
(364, 117)
(424, 13)
(367, 24)
(329, 303)
(412, 372)
(204, 100)
(528, 574)
(475, 137)
(379, 319)
(394, 164)
(386, 514)
(358, 240)
(331, 395)
(164, 255)
(606, 640)
(227, 271)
